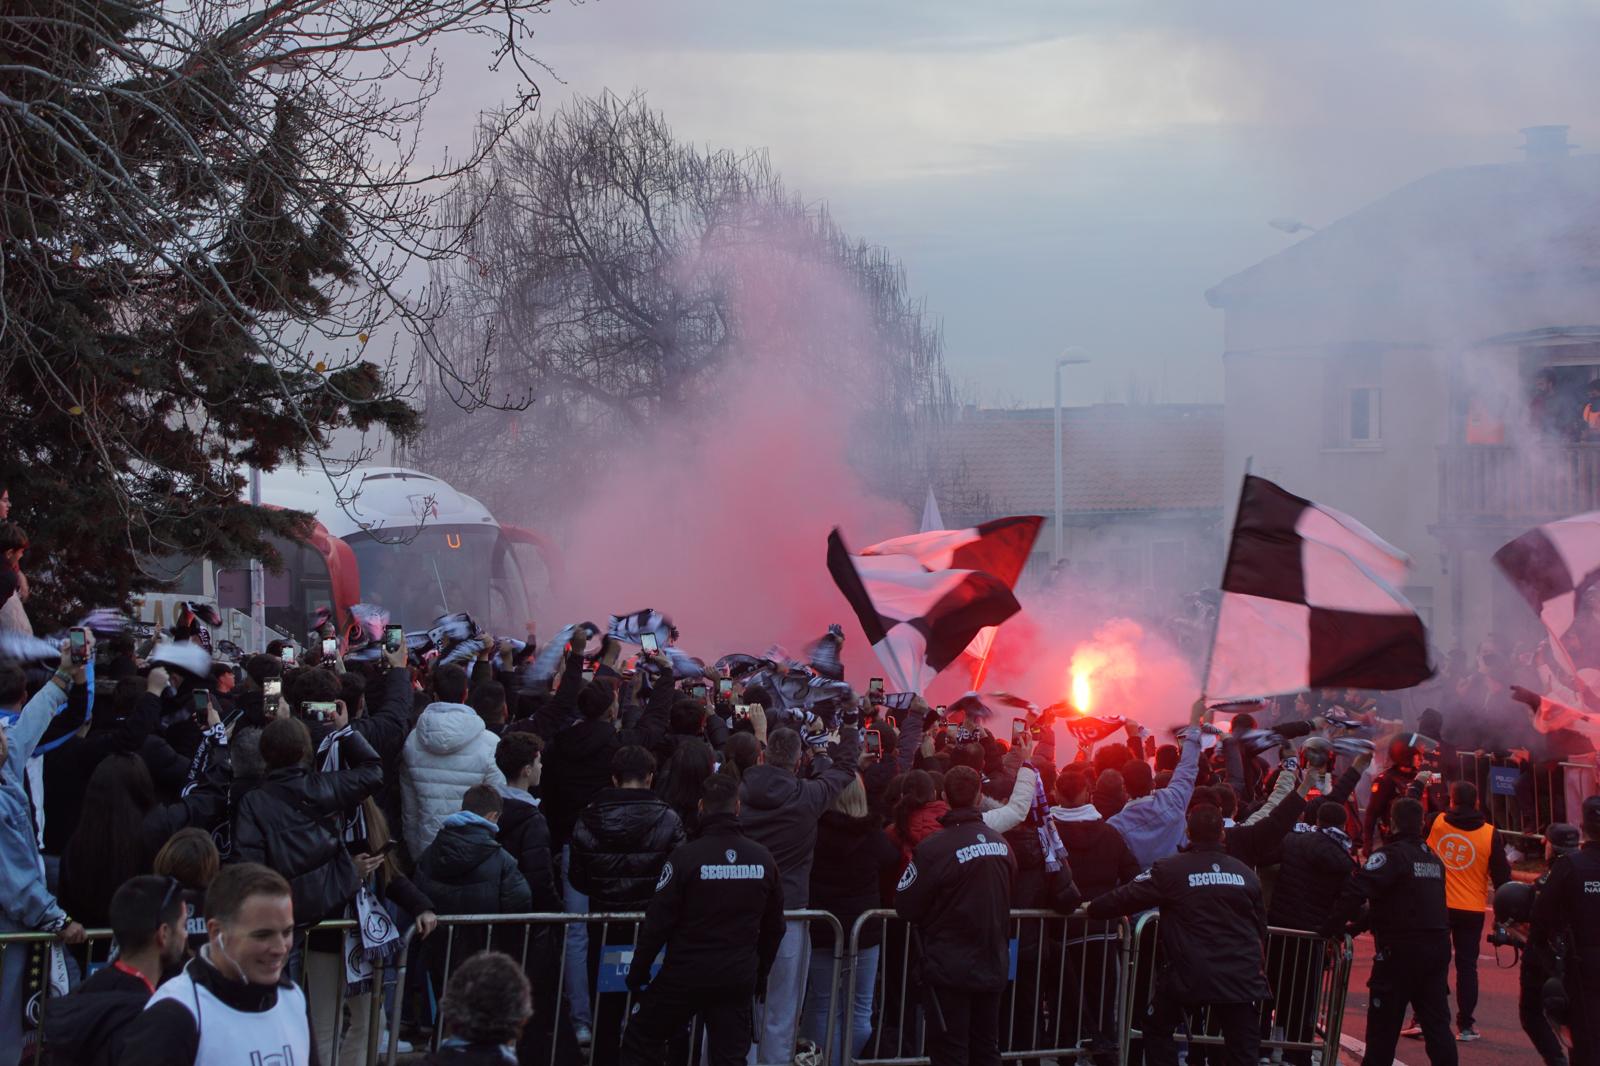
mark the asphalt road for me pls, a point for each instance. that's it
(1503, 1040)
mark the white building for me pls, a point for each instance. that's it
(1387, 365)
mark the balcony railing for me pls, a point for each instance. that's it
(1482, 484)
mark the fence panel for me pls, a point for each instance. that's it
(1064, 999)
(1519, 797)
(1309, 978)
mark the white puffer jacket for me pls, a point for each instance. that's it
(448, 752)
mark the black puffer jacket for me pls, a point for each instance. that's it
(466, 871)
(1316, 864)
(619, 845)
(292, 823)
(854, 862)
(526, 835)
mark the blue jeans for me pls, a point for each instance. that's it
(577, 979)
(13, 962)
(853, 1019)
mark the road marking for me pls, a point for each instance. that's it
(1358, 1048)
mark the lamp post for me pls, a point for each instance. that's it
(1066, 358)
(258, 580)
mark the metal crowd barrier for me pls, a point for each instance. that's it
(1063, 1001)
(1515, 810)
(1076, 990)
(1309, 977)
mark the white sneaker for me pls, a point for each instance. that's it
(402, 1047)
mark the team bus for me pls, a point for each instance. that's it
(390, 536)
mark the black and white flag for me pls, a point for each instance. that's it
(1310, 599)
(918, 618)
(1556, 567)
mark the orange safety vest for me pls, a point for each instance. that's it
(1465, 854)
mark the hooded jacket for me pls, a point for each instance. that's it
(1213, 928)
(1316, 865)
(88, 1026)
(921, 824)
(448, 752)
(780, 811)
(292, 823)
(466, 871)
(525, 834)
(856, 863)
(619, 846)
(1096, 853)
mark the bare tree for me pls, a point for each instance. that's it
(616, 273)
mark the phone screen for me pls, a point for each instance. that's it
(875, 686)
(394, 637)
(80, 644)
(725, 686)
(330, 648)
(272, 688)
(698, 692)
(1019, 729)
(322, 711)
(874, 742)
(289, 654)
(202, 702)
(648, 642)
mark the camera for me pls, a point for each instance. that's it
(1503, 937)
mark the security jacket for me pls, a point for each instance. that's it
(1213, 927)
(956, 892)
(1404, 884)
(718, 909)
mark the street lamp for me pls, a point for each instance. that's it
(1066, 358)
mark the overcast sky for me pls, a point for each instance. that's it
(1077, 172)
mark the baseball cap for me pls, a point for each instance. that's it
(1591, 814)
(1563, 836)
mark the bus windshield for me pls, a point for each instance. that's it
(440, 570)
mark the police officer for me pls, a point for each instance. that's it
(1213, 937)
(1513, 912)
(956, 893)
(1569, 907)
(718, 909)
(1393, 784)
(1404, 883)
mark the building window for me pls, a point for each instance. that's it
(1364, 423)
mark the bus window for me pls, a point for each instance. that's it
(418, 575)
(508, 593)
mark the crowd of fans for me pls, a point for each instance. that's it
(211, 816)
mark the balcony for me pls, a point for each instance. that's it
(1502, 485)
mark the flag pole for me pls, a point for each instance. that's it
(1227, 564)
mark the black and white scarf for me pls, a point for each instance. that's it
(375, 938)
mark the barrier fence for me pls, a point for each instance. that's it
(1522, 797)
(1077, 988)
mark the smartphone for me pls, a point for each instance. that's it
(649, 643)
(387, 848)
(79, 639)
(290, 656)
(330, 648)
(272, 689)
(321, 711)
(741, 710)
(394, 637)
(202, 705)
(725, 686)
(940, 711)
(875, 686)
(698, 692)
(1019, 730)
(588, 675)
(874, 742)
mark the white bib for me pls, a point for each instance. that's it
(277, 1037)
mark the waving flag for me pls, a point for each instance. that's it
(1556, 567)
(920, 600)
(1310, 599)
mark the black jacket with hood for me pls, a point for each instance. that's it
(619, 845)
(293, 823)
(780, 811)
(1096, 853)
(1317, 864)
(526, 835)
(466, 871)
